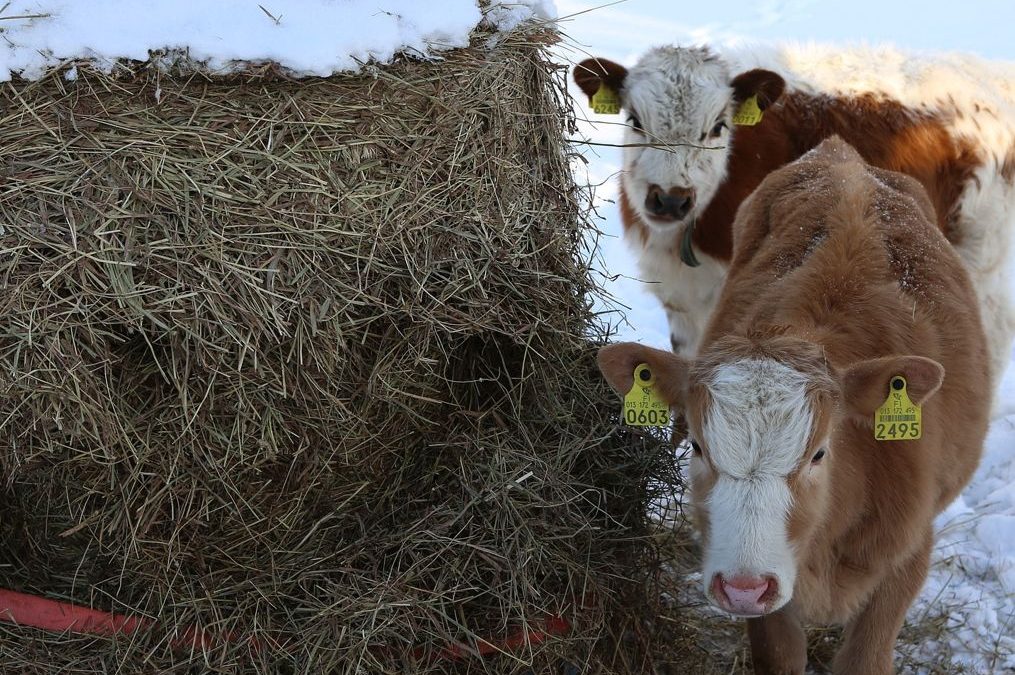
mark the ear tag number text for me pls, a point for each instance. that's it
(605, 101)
(898, 419)
(642, 405)
(749, 113)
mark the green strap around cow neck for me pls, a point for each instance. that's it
(686, 252)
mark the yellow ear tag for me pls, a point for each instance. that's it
(642, 405)
(605, 101)
(748, 114)
(898, 419)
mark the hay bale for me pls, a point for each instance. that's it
(309, 362)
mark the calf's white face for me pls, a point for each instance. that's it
(679, 101)
(755, 437)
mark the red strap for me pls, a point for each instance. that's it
(53, 615)
(62, 617)
(554, 625)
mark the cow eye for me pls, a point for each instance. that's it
(717, 129)
(818, 456)
(634, 122)
(695, 448)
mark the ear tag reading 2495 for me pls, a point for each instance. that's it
(605, 101)
(749, 113)
(898, 419)
(642, 405)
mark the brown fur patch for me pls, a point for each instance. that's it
(884, 132)
(764, 84)
(630, 220)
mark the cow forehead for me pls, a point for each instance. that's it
(759, 417)
(676, 90)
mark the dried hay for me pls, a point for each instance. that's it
(309, 362)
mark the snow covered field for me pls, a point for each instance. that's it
(972, 585)
(971, 590)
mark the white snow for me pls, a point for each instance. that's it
(508, 14)
(972, 580)
(306, 37)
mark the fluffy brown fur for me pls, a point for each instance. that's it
(839, 272)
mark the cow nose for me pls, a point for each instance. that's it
(672, 204)
(745, 595)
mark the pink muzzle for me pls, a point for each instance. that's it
(745, 595)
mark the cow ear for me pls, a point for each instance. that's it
(865, 385)
(764, 84)
(618, 361)
(591, 73)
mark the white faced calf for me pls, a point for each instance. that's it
(679, 105)
(839, 284)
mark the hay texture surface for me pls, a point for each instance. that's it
(307, 362)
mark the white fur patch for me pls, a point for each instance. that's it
(688, 293)
(678, 95)
(756, 431)
(760, 418)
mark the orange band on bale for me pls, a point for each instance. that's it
(552, 626)
(53, 615)
(24, 609)
(64, 617)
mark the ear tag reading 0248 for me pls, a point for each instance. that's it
(749, 113)
(898, 419)
(605, 101)
(642, 405)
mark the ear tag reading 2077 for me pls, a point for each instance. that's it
(605, 101)
(749, 113)
(898, 419)
(642, 405)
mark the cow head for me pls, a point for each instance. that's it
(761, 419)
(680, 101)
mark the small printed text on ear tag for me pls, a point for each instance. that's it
(898, 419)
(642, 405)
(748, 114)
(605, 101)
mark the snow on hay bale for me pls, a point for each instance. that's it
(308, 362)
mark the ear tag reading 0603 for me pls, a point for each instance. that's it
(605, 101)
(642, 405)
(898, 419)
(749, 113)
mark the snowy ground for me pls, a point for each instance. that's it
(970, 593)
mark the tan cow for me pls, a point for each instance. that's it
(948, 121)
(839, 283)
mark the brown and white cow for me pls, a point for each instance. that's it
(839, 282)
(947, 121)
